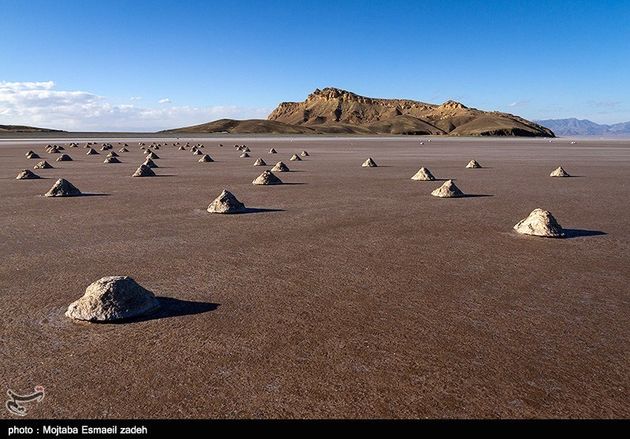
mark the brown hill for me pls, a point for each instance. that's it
(335, 111)
(25, 129)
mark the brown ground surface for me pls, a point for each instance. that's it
(362, 296)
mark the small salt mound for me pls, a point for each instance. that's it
(280, 167)
(111, 160)
(273, 151)
(205, 159)
(260, 162)
(369, 163)
(64, 158)
(559, 172)
(144, 171)
(43, 165)
(295, 158)
(226, 203)
(63, 188)
(26, 174)
(448, 190)
(423, 175)
(540, 223)
(473, 164)
(267, 178)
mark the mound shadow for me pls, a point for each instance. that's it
(258, 210)
(171, 307)
(580, 233)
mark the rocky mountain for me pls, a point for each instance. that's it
(331, 107)
(583, 127)
(336, 111)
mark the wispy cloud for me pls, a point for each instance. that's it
(164, 101)
(521, 103)
(41, 104)
(135, 98)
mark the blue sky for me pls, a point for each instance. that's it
(107, 64)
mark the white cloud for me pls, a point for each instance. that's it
(135, 98)
(519, 103)
(41, 104)
(164, 101)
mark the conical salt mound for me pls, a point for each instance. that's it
(52, 150)
(113, 298)
(245, 149)
(43, 165)
(295, 158)
(64, 158)
(27, 174)
(540, 223)
(205, 159)
(111, 160)
(112, 154)
(304, 154)
(181, 148)
(31, 155)
(152, 156)
(559, 172)
(63, 188)
(150, 163)
(226, 203)
(123, 149)
(448, 190)
(197, 152)
(260, 162)
(369, 163)
(273, 151)
(91, 151)
(423, 175)
(267, 177)
(144, 171)
(280, 167)
(244, 155)
(473, 164)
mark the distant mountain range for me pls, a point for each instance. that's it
(583, 127)
(25, 129)
(336, 111)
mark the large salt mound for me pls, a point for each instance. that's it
(43, 165)
(226, 203)
(150, 163)
(205, 159)
(63, 188)
(448, 190)
(64, 158)
(113, 298)
(295, 158)
(266, 178)
(32, 155)
(540, 223)
(260, 162)
(423, 175)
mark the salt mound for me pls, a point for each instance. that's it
(304, 154)
(26, 174)
(559, 172)
(273, 151)
(111, 160)
(112, 154)
(205, 159)
(181, 148)
(53, 149)
(473, 164)
(244, 155)
(150, 163)
(197, 152)
(32, 155)
(63, 188)
(260, 162)
(226, 203)
(91, 151)
(113, 298)
(280, 167)
(64, 158)
(144, 171)
(540, 223)
(369, 163)
(123, 149)
(295, 158)
(245, 149)
(267, 177)
(153, 156)
(448, 190)
(423, 175)
(43, 165)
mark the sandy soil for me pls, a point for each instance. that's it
(356, 294)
